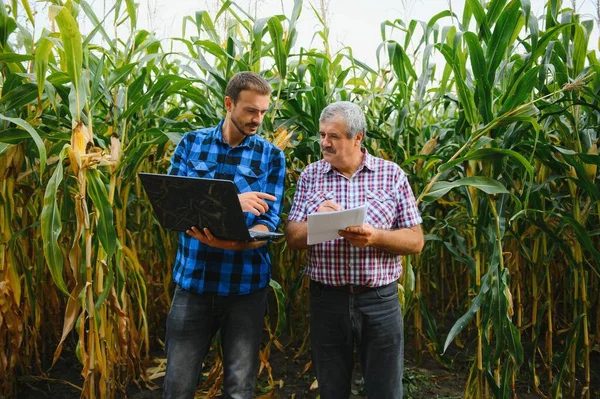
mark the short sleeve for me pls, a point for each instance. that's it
(408, 212)
(298, 211)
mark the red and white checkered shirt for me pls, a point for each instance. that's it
(383, 187)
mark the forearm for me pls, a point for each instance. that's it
(246, 246)
(296, 235)
(206, 237)
(404, 241)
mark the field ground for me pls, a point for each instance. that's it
(425, 380)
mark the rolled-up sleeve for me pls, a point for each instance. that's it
(274, 186)
(179, 159)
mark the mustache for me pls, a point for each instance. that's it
(253, 124)
(330, 150)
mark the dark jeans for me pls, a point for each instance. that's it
(373, 321)
(191, 325)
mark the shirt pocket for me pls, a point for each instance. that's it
(314, 200)
(203, 169)
(249, 179)
(381, 210)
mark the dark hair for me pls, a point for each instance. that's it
(246, 81)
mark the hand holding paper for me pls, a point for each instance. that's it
(324, 226)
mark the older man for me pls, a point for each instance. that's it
(354, 291)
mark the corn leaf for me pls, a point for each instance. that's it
(465, 319)
(19, 96)
(490, 154)
(96, 22)
(52, 225)
(7, 25)
(485, 184)
(521, 90)
(563, 360)
(131, 11)
(71, 41)
(580, 45)
(279, 48)
(481, 19)
(258, 31)
(104, 213)
(465, 95)
(495, 8)
(204, 23)
(281, 313)
(483, 85)
(585, 240)
(509, 22)
(13, 57)
(42, 51)
(34, 135)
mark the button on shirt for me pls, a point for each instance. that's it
(384, 188)
(253, 165)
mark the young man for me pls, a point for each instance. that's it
(354, 290)
(221, 285)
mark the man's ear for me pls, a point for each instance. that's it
(228, 103)
(359, 137)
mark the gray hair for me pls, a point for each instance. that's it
(349, 113)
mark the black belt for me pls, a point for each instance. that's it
(349, 288)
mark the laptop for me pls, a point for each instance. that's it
(182, 202)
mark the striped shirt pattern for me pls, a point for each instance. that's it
(384, 188)
(253, 165)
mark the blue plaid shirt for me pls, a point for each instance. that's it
(253, 165)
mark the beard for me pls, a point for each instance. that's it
(240, 126)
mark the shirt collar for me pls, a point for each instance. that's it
(248, 141)
(367, 162)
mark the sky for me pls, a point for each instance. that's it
(354, 23)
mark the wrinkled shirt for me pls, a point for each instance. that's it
(253, 165)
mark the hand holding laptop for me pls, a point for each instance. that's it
(205, 236)
(254, 202)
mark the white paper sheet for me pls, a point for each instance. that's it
(324, 226)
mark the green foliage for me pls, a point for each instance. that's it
(494, 116)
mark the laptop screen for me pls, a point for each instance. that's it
(182, 202)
